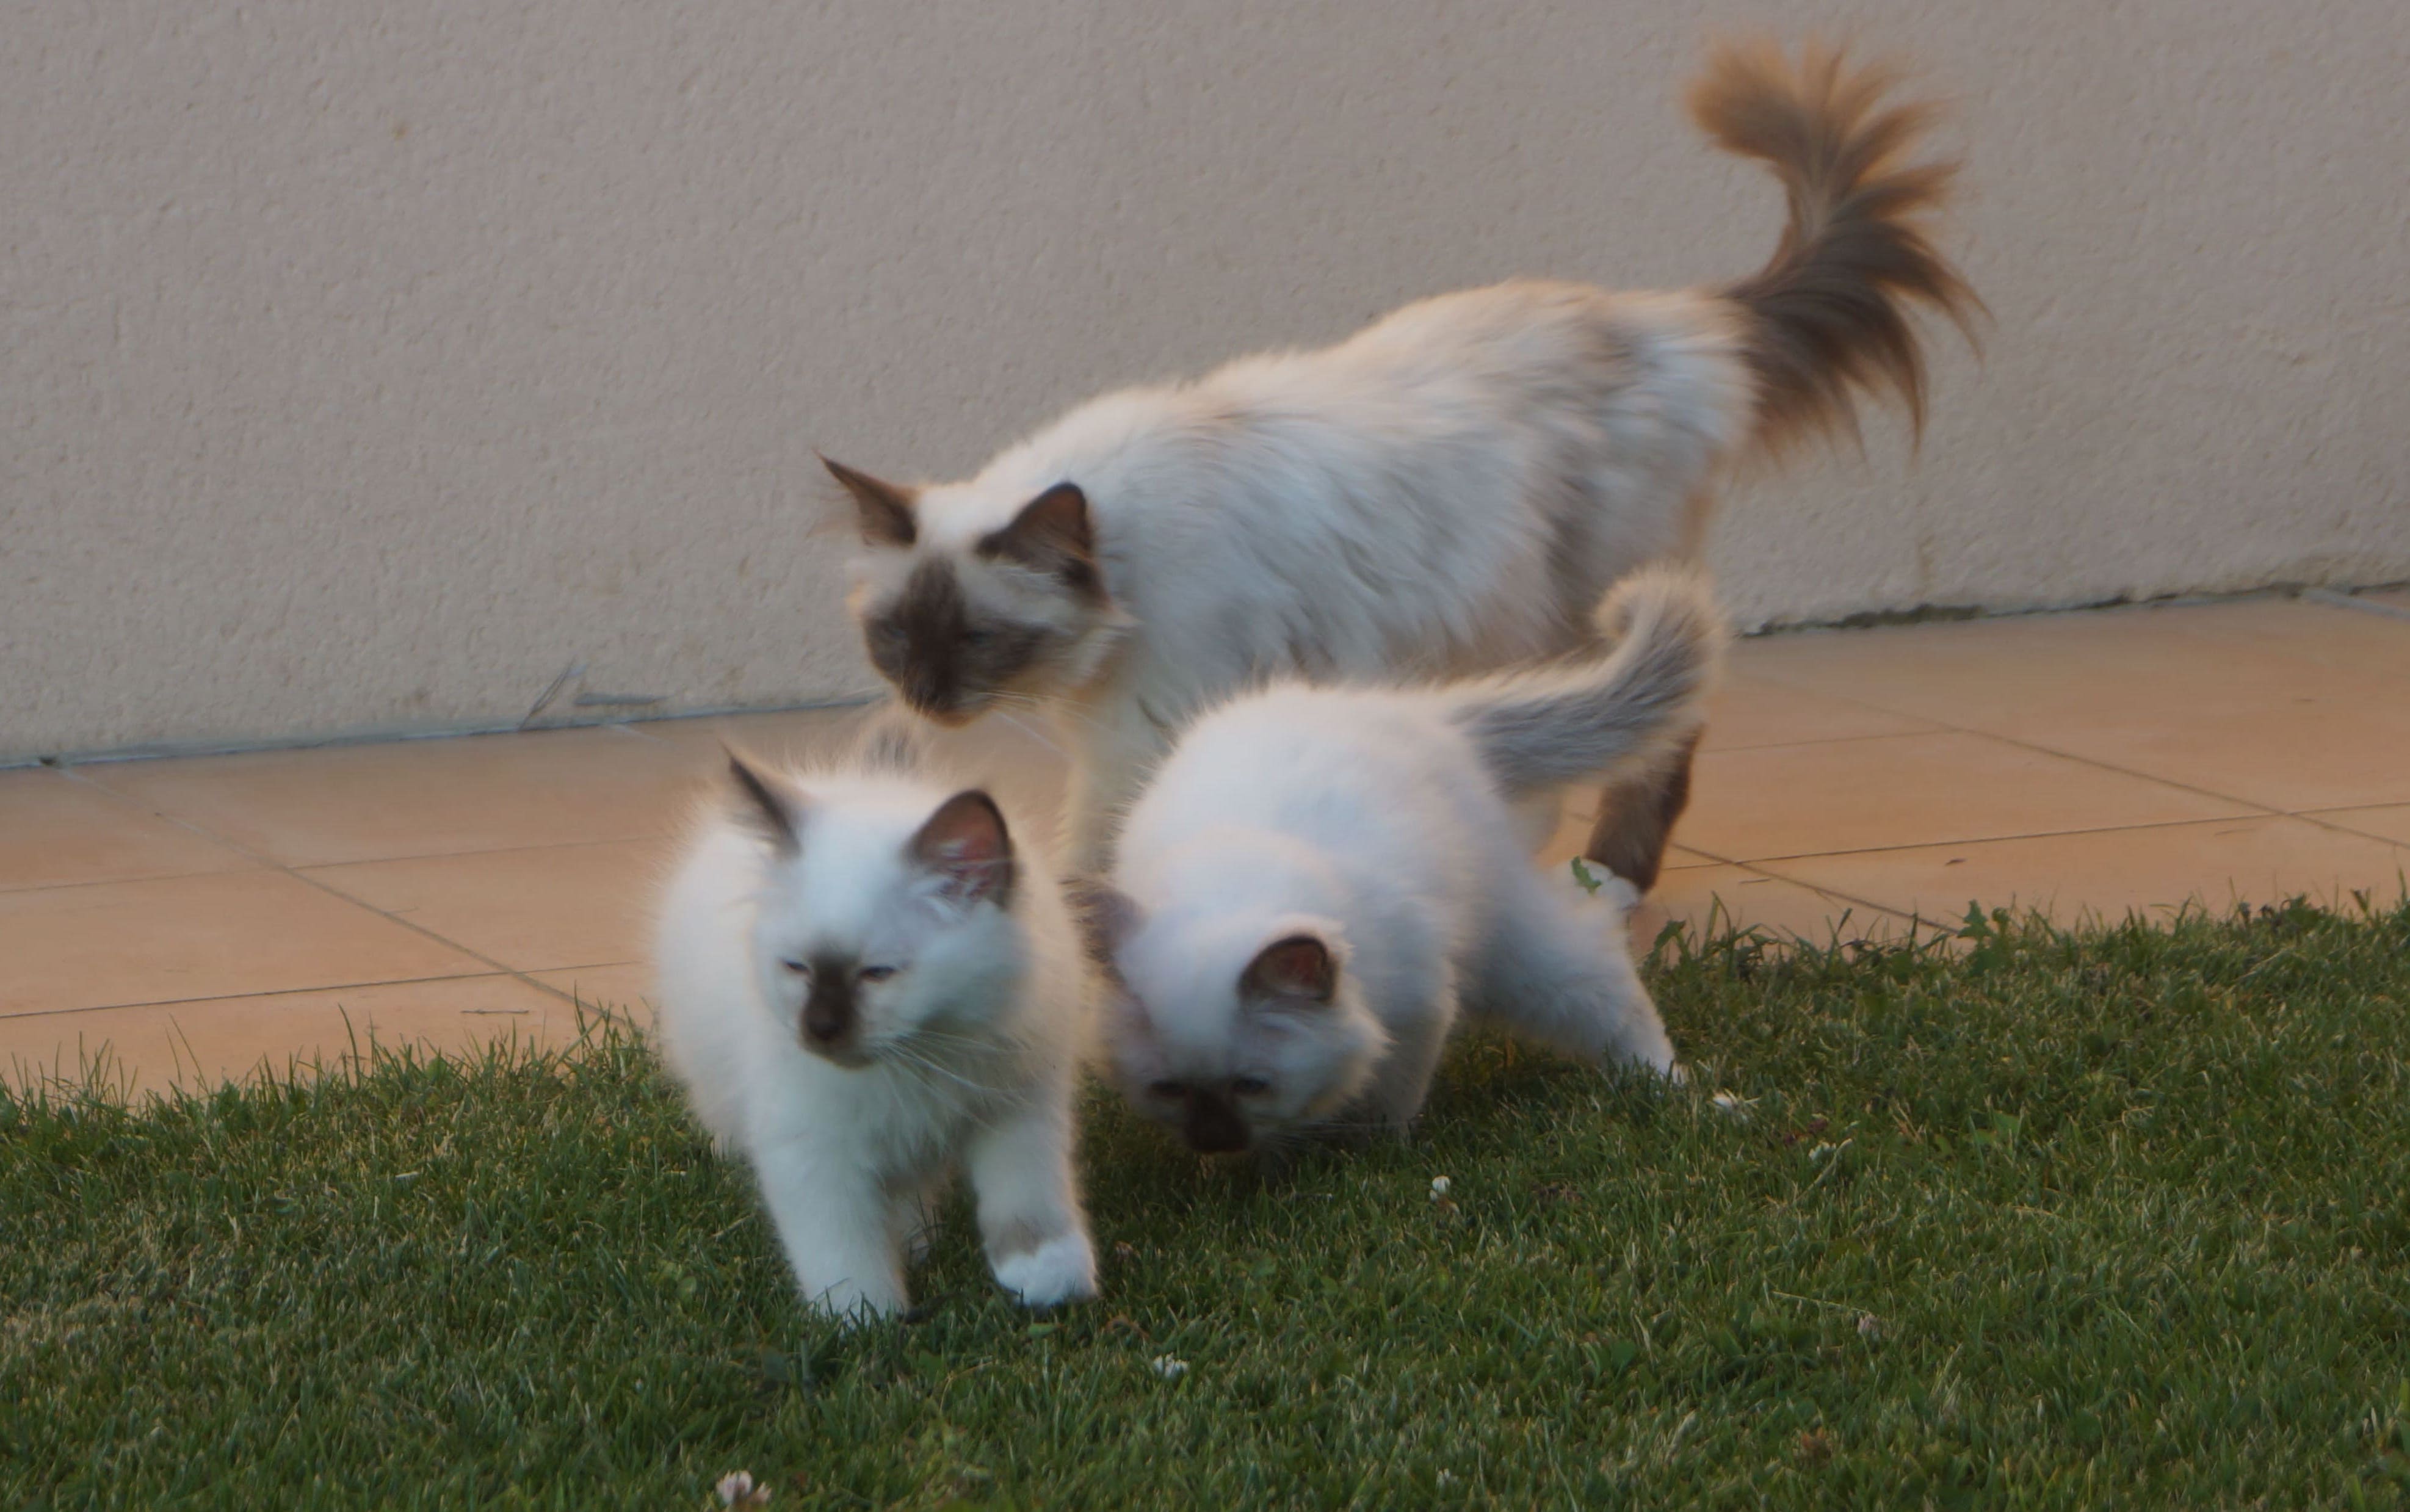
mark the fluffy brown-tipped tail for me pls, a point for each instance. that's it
(1542, 729)
(1828, 317)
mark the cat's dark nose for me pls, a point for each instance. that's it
(827, 1012)
(1213, 1127)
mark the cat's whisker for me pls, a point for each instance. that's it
(1039, 735)
(1057, 711)
(898, 1052)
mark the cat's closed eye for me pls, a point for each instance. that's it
(876, 973)
(1251, 1086)
(977, 637)
(797, 968)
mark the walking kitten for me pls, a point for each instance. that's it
(1319, 878)
(864, 981)
(1449, 490)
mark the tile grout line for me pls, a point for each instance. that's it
(1829, 740)
(464, 855)
(2199, 893)
(2264, 810)
(261, 863)
(2021, 744)
(1884, 909)
(303, 992)
(2311, 816)
(269, 864)
(239, 997)
(2261, 809)
(1909, 918)
(126, 881)
(2022, 834)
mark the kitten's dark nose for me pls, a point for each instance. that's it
(1213, 1127)
(940, 705)
(827, 1012)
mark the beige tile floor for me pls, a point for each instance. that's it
(200, 917)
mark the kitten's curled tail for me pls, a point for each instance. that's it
(1546, 727)
(1827, 319)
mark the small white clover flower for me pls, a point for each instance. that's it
(1439, 1187)
(1732, 1103)
(736, 1489)
(1869, 1325)
(1169, 1368)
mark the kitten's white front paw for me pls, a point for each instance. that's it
(1059, 1271)
(856, 1307)
(1614, 890)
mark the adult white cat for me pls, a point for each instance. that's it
(863, 982)
(1450, 490)
(1319, 878)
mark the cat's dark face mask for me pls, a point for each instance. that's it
(955, 627)
(1211, 1125)
(945, 661)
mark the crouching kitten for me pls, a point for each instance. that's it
(1318, 881)
(863, 985)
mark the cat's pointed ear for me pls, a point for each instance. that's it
(1052, 534)
(966, 846)
(1297, 966)
(1106, 914)
(886, 508)
(767, 807)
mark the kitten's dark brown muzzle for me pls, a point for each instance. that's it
(830, 1018)
(952, 715)
(1213, 1127)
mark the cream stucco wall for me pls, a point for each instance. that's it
(366, 364)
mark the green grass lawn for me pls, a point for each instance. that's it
(2066, 1221)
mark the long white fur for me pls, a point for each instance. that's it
(1449, 490)
(972, 1048)
(1378, 821)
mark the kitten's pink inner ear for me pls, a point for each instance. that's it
(767, 806)
(1052, 534)
(966, 843)
(886, 509)
(1297, 966)
(1060, 517)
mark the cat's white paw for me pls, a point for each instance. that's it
(1599, 886)
(859, 1306)
(1615, 891)
(1059, 1271)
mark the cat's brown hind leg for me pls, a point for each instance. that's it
(1635, 819)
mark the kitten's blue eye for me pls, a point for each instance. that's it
(1251, 1086)
(1170, 1090)
(877, 973)
(797, 968)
